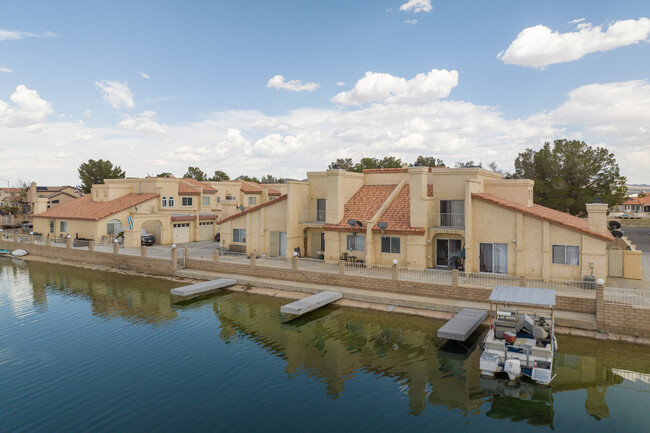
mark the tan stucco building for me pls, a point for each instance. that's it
(430, 217)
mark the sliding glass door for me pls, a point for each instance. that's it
(493, 258)
(447, 250)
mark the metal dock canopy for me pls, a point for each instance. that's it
(462, 324)
(523, 295)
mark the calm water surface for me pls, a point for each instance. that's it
(86, 350)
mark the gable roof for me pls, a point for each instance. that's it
(84, 208)
(637, 200)
(61, 193)
(250, 187)
(398, 215)
(253, 209)
(362, 206)
(542, 212)
(206, 188)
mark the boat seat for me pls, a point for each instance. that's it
(539, 351)
(496, 345)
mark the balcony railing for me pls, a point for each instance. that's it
(313, 216)
(447, 220)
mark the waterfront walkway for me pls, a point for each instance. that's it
(389, 299)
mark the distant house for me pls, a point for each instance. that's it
(636, 206)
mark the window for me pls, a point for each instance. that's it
(321, 205)
(170, 202)
(51, 226)
(218, 199)
(390, 244)
(452, 213)
(493, 258)
(205, 223)
(182, 225)
(63, 227)
(356, 242)
(113, 226)
(239, 235)
(252, 201)
(186, 201)
(205, 201)
(164, 201)
(55, 201)
(566, 255)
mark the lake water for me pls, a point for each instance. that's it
(84, 350)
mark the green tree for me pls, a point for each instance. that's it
(343, 163)
(569, 174)
(429, 161)
(270, 179)
(195, 173)
(469, 163)
(165, 174)
(219, 176)
(249, 179)
(94, 172)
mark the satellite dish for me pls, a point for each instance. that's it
(359, 223)
(241, 208)
(617, 234)
(352, 222)
(382, 225)
(614, 225)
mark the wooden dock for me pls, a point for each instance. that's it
(462, 324)
(201, 289)
(311, 303)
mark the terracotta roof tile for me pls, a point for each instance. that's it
(253, 209)
(363, 205)
(637, 200)
(274, 192)
(185, 188)
(548, 214)
(207, 189)
(250, 187)
(398, 215)
(84, 208)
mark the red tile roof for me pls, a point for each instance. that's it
(253, 209)
(547, 214)
(274, 192)
(398, 215)
(84, 208)
(207, 189)
(362, 206)
(12, 189)
(637, 200)
(185, 188)
(250, 187)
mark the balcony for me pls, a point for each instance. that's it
(312, 216)
(454, 221)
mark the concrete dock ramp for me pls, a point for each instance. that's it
(462, 324)
(201, 289)
(311, 303)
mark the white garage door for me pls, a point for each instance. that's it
(205, 231)
(181, 233)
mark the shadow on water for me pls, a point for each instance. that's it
(335, 346)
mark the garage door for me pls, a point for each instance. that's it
(181, 233)
(205, 231)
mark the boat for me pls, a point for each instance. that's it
(5, 252)
(521, 339)
(18, 253)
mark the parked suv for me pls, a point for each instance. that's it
(146, 239)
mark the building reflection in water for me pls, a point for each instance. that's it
(333, 345)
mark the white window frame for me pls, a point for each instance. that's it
(392, 248)
(51, 226)
(164, 201)
(356, 242)
(170, 201)
(205, 201)
(187, 201)
(239, 235)
(565, 258)
(494, 259)
(63, 226)
(252, 201)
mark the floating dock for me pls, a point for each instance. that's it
(201, 289)
(311, 303)
(462, 324)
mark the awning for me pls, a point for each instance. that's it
(183, 217)
(523, 295)
(208, 216)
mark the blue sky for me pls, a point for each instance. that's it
(286, 87)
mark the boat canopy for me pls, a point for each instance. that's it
(523, 295)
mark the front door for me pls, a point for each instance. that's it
(283, 244)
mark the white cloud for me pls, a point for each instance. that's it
(88, 113)
(3, 69)
(539, 46)
(277, 82)
(417, 6)
(12, 35)
(29, 109)
(116, 93)
(340, 83)
(143, 123)
(143, 75)
(376, 86)
(411, 22)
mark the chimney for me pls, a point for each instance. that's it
(597, 217)
(418, 194)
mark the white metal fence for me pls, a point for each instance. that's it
(361, 269)
(273, 262)
(486, 280)
(316, 265)
(637, 298)
(230, 256)
(431, 276)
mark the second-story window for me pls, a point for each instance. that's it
(205, 201)
(186, 201)
(452, 213)
(321, 205)
(164, 201)
(170, 202)
(252, 201)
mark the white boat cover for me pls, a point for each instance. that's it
(523, 295)
(462, 324)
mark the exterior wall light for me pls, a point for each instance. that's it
(600, 281)
(295, 254)
(395, 261)
(173, 246)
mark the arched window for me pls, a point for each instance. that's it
(170, 201)
(112, 226)
(164, 201)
